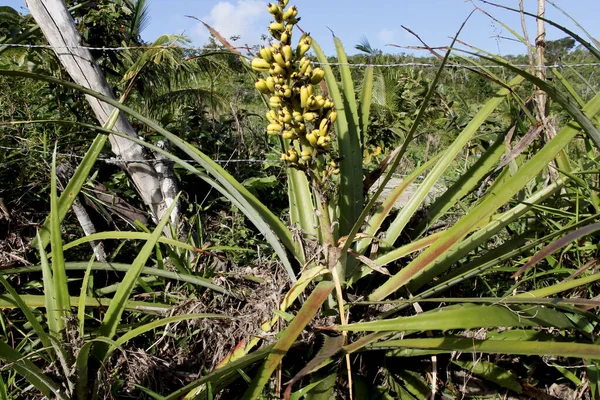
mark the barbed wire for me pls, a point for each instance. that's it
(114, 160)
(457, 65)
(352, 65)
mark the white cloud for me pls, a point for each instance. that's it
(244, 18)
(387, 36)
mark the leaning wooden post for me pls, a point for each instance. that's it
(58, 27)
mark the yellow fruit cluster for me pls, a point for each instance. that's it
(297, 113)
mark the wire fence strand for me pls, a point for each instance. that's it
(114, 160)
(352, 65)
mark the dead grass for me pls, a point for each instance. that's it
(182, 352)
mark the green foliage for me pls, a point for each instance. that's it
(498, 216)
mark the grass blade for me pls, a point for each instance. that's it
(49, 297)
(120, 267)
(446, 159)
(492, 201)
(288, 337)
(350, 186)
(38, 301)
(556, 245)
(83, 296)
(531, 348)
(59, 276)
(37, 327)
(467, 316)
(112, 318)
(30, 371)
(366, 97)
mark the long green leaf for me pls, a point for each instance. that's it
(533, 348)
(35, 324)
(222, 373)
(399, 153)
(348, 93)
(75, 184)
(366, 97)
(301, 202)
(465, 184)
(467, 317)
(73, 187)
(288, 337)
(49, 297)
(478, 266)
(59, 276)
(116, 235)
(569, 306)
(97, 266)
(30, 371)
(38, 301)
(485, 233)
(561, 287)
(492, 201)
(83, 296)
(448, 156)
(351, 192)
(348, 138)
(111, 320)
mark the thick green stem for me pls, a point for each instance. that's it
(324, 218)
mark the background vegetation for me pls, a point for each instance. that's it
(483, 284)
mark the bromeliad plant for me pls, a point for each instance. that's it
(347, 227)
(302, 117)
(355, 237)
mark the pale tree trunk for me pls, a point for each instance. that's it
(88, 229)
(541, 97)
(64, 172)
(540, 46)
(59, 29)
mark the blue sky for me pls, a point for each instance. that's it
(380, 21)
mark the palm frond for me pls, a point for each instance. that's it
(366, 47)
(140, 18)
